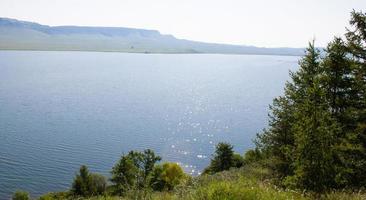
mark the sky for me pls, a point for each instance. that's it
(271, 23)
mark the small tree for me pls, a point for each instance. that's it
(149, 160)
(223, 158)
(88, 184)
(20, 195)
(81, 184)
(124, 175)
(133, 170)
(167, 176)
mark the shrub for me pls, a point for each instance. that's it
(21, 195)
(167, 176)
(88, 184)
(98, 184)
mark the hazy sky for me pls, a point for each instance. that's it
(271, 23)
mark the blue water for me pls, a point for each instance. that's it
(59, 110)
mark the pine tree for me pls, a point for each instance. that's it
(82, 182)
(301, 137)
(317, 132)
(278, 140)
(337, 80)
(354, 147)
(314, 128)
(223, 159)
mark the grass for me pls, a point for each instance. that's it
(248, 183)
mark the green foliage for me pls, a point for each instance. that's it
(88, 184)
(81, 183)
(124, 175)
(252, 156)
(301, 137)
(133, 171)
(167, 176)
(277, 143)
(314, 130)
(21, 195)
(98, 184)
(223, 158)
(317, 134)
(56, 196)
(149, 161)
(353, 147)
(238, 160)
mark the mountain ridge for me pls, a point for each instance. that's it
(24, 35)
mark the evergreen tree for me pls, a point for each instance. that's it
(223, 158)
(314, 128)
(339, 83)
(300, 141)
(82, 182)
(354, 147)
(315, 132)
(277, 142)
(337, 80)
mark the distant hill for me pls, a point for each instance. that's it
(23, 35)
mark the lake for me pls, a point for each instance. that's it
(59, 110)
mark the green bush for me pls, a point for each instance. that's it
(167, 176)
(55, 196)
(98, 184)
(20, 195)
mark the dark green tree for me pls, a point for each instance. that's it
(317, 130)
(82, 182)
(299, 143)
(87, 184)
(124, 174)
(337, 80)
(276, 143)
(223, 158)
(354, 145)
(133, 170)
(149, 161)
(314, 128)
(339, 84)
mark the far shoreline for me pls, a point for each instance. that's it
(154, 53)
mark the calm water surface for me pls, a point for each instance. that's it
(59, 110)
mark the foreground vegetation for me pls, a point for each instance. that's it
(229, 176)
(314, 148)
